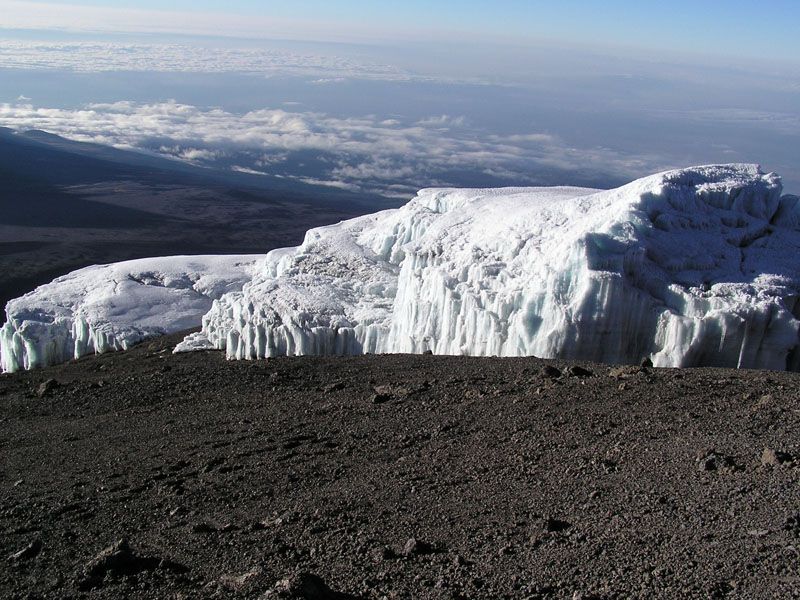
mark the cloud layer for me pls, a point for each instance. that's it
(364, 153)
(112, 56)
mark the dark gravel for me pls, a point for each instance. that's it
(149, 475)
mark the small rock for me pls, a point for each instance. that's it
(428, 352)
(390, 391)
(333, 387)
(119, 559)
(460, 561)
(283, 519)
(306, 586)
(203, 528)
(237, 582)
(707, 463)
(506, 549)
(46, 388)
(764, 401)
(380, 398)
(609, 466)
(383, 553)
(774, 458)
(578, 595)
(618, 372)
(414, 546)
(792, 524)
(578, 371)
(551, 372)
(553, 525)
(646, 363)
(28, 552)
(711, 460)
(758, 532)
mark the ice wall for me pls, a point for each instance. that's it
(690, 267)
(111, 307)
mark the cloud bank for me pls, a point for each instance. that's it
(96, 57)
(366, 153)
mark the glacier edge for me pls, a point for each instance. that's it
(690, 267)
(112, 307)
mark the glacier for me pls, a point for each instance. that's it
(690, 267)
(112, 307)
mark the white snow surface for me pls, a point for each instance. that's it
(112, 307)
(690, 267)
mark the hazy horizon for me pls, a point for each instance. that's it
(530, 95)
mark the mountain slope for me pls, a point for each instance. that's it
(516, 482)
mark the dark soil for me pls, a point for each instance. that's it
(149, 475)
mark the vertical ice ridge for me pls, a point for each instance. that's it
(688, 267)
(691, 267)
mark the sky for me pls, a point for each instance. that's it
(389, 97)
(742, 28)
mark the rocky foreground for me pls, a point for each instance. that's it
(151, 475)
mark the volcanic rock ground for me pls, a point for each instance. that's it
(151, 475)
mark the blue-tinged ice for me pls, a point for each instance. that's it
(692, 267)
(699, 266)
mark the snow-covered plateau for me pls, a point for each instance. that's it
(691, 267)
(112, 307)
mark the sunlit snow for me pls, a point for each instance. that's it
(690, 267)
(112, 307)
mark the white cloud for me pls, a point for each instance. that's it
(111, 56)
(366, 153)
(442, 121)
(328, 80)
(248, 171)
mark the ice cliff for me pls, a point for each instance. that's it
(690, 267)
(112, 307)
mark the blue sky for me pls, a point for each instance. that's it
(735, 28)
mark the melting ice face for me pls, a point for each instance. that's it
(690, 267)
